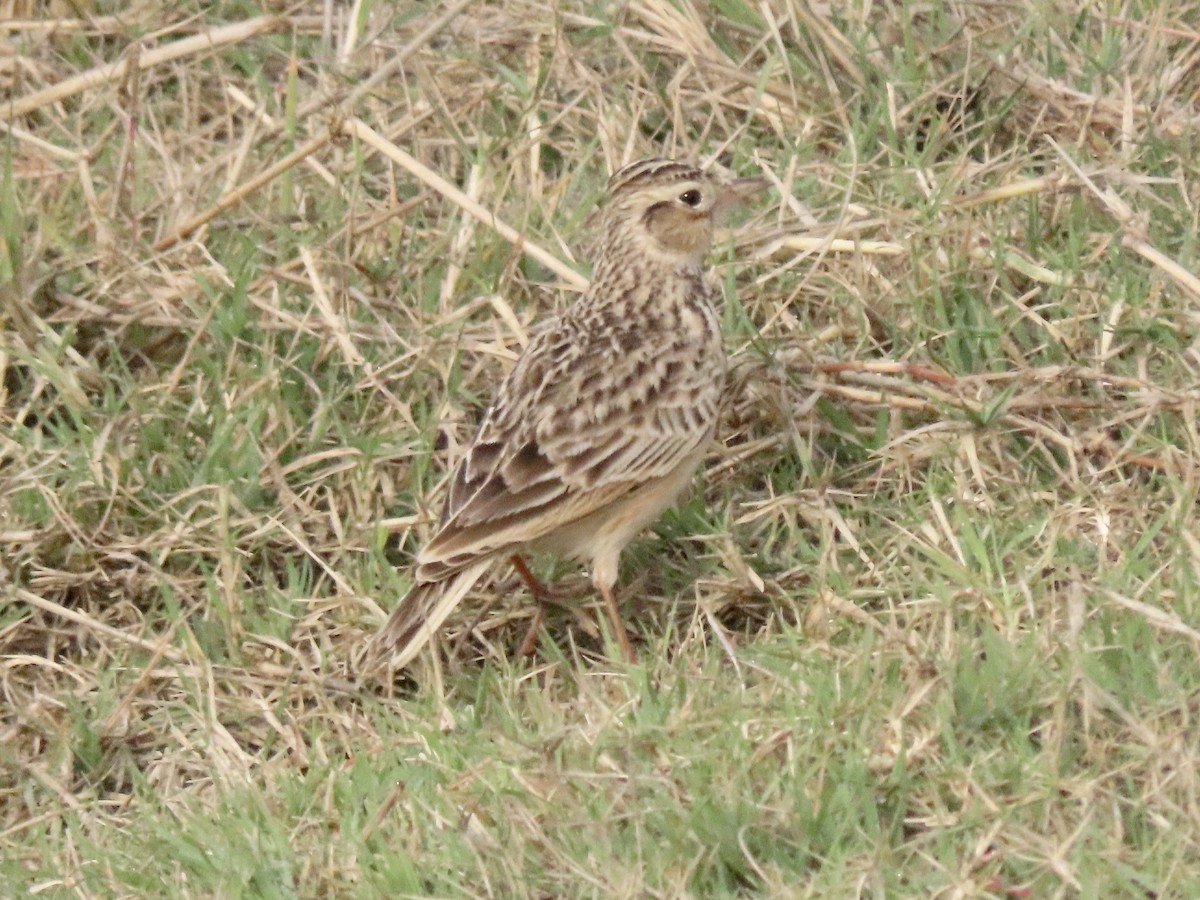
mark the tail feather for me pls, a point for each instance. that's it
(423, 610)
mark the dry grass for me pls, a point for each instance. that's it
(929, 627)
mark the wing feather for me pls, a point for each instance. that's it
(591, 412)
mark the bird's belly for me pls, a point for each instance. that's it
(603, 533)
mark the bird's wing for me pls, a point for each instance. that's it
(588, 415)
(419, 615)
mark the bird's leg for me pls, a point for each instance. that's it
(545, 595)
(536, 587)
(553, 594)
(542, 594)
(529, 642)
(614, 616)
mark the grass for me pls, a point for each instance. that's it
(928, 625)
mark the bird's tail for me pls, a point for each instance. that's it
(421, 613)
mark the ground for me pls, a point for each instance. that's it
(928, 624)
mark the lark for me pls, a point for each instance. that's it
(607, 413)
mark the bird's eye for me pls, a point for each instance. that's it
(690, 197)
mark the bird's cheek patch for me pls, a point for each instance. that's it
(653, 217)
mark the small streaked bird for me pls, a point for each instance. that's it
(606, 414)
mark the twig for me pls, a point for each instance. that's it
(91, 624)
(1044, 184)
(235, 196)
(832, 245)
(93, 24)
(210, 40)
(888, 367)
(71, 156)
(1132, 238)
(363, 132)
(388, 69)
(335, 322)
(1155, 617)
(242, 99)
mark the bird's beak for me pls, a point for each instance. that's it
(735, 193)
(745, 188)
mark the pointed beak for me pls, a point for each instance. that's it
(745, 188)
(735, 193)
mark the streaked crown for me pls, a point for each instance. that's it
(647, 172)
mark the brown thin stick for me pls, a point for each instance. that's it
(389, 68)
(1155, 617)
(876, 396)
(1133, 238)
(71, 156)
(1154, 256)
(100, 24)
(237, 194)
(1043, 184)
(887, 367)
(1187, 34)
(390, 213)
(91, 624)
(832, 245)
(363, 132)
(385, 71)
(242, 99)
(891, 392)
(199, 43)
(336, 323)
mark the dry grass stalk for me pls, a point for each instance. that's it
(210, 41)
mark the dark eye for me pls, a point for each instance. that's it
(690, 197)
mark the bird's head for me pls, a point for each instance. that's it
(667, 209)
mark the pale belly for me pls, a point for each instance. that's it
(600, 536)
